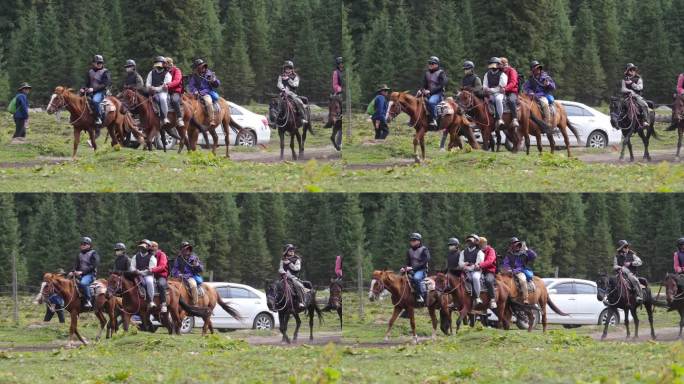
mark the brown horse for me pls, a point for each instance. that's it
(335, 300)
(535, 123)
(540, 297)
(335, 120)
(67, 289)
(151, 122)
(453, 121)
(403, 298)
(200, 122)
(678, 121)
(477, 108)
(416, 109)
(115, 119)
(133, 302)
(455, 286)
(674, 292)
(204, 306)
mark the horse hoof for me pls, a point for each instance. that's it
(415, 340)
(386, 338)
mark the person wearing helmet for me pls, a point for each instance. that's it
(417, 259)
(289, 268)
(627, 262)
(469, 261)
(453, 256)
(160, 272)
(679, 256)
(511, 90)
(97, 82)
(488, 267)
(188, 267)
(338, 78)
(494, 86)
(632, 85)
(175, 88)
(132, 80)
(122, 262)
(434, 84)
(471, 82)
(336, 99)
(288, 83)
(540, 86)
(203, 84)
(517, 261)
(157, 86)
(85, 268)
(143, 261)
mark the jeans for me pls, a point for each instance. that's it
(498, 99)
(433, 100)
(20, 130)
(418, 276)
(512, 100)
(175, 99)
(49, 313)
(475, 279)
(381, 129)
(163, 285)
(490, 282)
(85, 282)
(96, 99)
(162, 99)
(149, 287)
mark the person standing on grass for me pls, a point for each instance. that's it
(21, 116)
(379, 116)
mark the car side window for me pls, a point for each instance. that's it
(585, 289)
(239, 293)
(564, 289)
(224, 292)
(235, 111)
(574, 111)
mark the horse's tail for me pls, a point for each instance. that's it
(540, 123)
(128, 122)
(308, 127)
(574, 130)
(230, 310)
(195, 311)
(318, 311)
(554, 307)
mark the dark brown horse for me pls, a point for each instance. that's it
(624, 115)
(678, 121)
(540, 297)
(455, 122)
(416, 109)
(536, 124)
(282, 114)
(615, 292)
(674, 292)
(403, 298)
(116, 119)
(151, 122)
(335, 299)
(281, 298)
(456, 287)
(67, 289)
(335, 120)
(477, 108)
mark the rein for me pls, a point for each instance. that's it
(65, 104)
(473, 105)
(118, 287)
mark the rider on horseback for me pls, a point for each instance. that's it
(160, 272)
(85, 268)
(288, 83)
(453, 256)
(679, 256)
(469, 261)
(540, 85)
(175, 87)
(188, 267)
(417, 258)
(517, 261)
(471, 82)
(434, 85)
(143, 261)
(156, 83)
(202, 84)
(133, 80)
(511, 90)
(488, 267)
(627, 261)
(290, 266)
(494, 86)
(632, 85)
(97, 83)
(338, 78)
(122, 263)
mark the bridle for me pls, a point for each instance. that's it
(134, 98)
(471, 105)
(391, 115)
(114, 290)
(63, 106)
(50, 287)
(381, 287)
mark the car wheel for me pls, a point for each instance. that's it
(187, 324)
(263, 321)
(246, 138)
(614, 318)
(597, 139)
(170, 142)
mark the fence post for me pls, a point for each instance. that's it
(349, 110)
(359, 280)
(555, 274)
(14, 288)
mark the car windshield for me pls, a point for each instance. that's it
(585, 289)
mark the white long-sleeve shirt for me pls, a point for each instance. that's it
(153, 263)
(148, 81)
(496, 88)
(635, 87)
(461, 259)
(295, 266)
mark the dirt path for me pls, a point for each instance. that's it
(613, 157)
(320, 338)
(619, 333)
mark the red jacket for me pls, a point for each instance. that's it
(489, 263)
(512, 74)
(162, 268)
(176, 84)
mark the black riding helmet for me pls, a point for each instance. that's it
(159, 59)
(454, 241)
(198, 63)
(534, 64)
(185, 244)
(433, 60)
(630, 66)
(86, 240)
(98, 59)
(468, 64)
(621, 244)
(119, 247)
(288, 64)
(339, 60)
(680, 241)
(416, 236)
(130, 63)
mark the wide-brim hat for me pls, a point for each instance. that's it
(383, 87)
(24, 85)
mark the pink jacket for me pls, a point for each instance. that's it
(680, 84)
(338, 266)
(677, 268)
(337, 87)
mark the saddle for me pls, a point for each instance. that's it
(445, 108)
(200, 290)
(530, 285)
(215, 105)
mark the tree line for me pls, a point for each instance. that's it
(584, 44)
(51, 42)
(239, 237)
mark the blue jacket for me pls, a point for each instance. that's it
(380, 109)
(22, 107)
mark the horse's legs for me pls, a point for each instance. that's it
(543, 319)
(422, 144)
(339, 314)
(538, 135)
(311, 321)
(552, 141)
(566, 138)
(680, 132)
(412, 321)
(415, 148)
(645, 137)
(610, 311)
(649, 313)
(681, 321)
(91, 134)
(433, 318)
(395, 314)
(298, 323)
(284, 318)
(281, 134)
(292, 139)
(103, 323)
(74, 322)
(636, 322)
(627, 321)
(77, 139)
(300, 144)
(214, 137)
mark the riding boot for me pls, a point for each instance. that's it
(193, 297)
(637, 289)
(210, 113)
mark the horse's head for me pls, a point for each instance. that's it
(271, 295)
(273, 110)
(394, 106)
(602, 284)
(671, 287)
(57, 100)
(113, 285)
(377, 285)
(441, 281)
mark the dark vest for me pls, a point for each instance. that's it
(415, 255)
(680, 256)
(634, 80)
(158, 78)
(469, 80)
(622, 258)
(433, 78)
(470, 256)
(142, 261)
(84, 260)
(340, 77)
(131, 80)
(293, 260)
(122, 263)
(452, 259)
(96, 77)
(493, 78)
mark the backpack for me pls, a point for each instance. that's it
(12, 107)
(370, 110)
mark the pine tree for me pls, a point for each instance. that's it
(350, 230)
(375, 47)
(9, 242)
(352, 81)
(235, 70)
(275, 214)
(24, 50)
(255, 260)
(587, 74)
(259, 46)
(609, 42)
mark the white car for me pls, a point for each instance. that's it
(577, 298)
(593, 127)
(249, 302)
